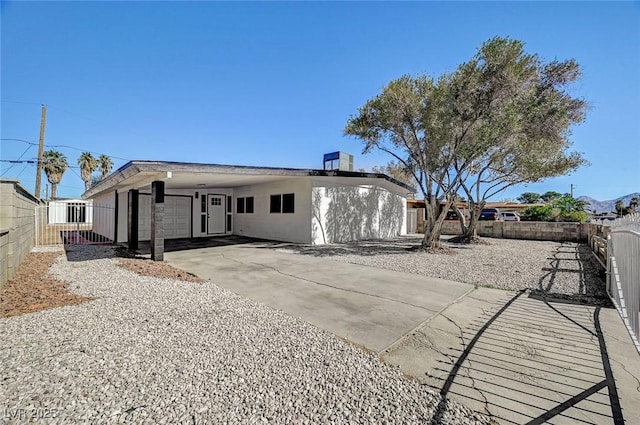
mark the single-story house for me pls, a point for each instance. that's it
(64, 211)
(157, 200)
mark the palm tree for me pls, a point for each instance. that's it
(54, 164)
(105, 165)
(88, 165)
(620, 209)
(634, 203)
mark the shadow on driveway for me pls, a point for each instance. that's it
(531, 357)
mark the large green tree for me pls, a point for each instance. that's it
(529, 198)
(521, 113)
(88, 164)
(499, 120)
(395, 170)
(550, 195)
(407, 121)
(54, 164)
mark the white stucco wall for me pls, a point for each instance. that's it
(123, 208)
(104, 215)
(342, 213)
(294, 227)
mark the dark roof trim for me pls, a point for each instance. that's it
(162, 166)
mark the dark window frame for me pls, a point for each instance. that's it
(249, 205)
(275, 204)
(283, 203)
(288, 203)
(239, 205)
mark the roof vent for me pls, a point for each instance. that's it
(338, 161)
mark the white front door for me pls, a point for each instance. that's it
(216, 212)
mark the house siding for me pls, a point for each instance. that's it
(103, 212)
(342, 213)
(262, 224)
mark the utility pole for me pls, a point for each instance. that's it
(43, 122)
(572, 187)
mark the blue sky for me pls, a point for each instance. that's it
(274, 83)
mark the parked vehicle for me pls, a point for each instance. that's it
(492, 214)
(451, 215)
(510, 216)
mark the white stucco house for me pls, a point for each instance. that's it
(283, 204)
(65, 211)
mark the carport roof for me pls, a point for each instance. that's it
(184, 175)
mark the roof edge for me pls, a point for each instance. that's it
(147, 165)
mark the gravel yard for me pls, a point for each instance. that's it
(161, 350)
(566, 269)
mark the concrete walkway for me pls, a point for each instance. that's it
(526, 360)
(518, 357)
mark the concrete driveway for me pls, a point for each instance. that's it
(370, 307)
(516, 356)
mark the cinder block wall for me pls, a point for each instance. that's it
(17, 226)
(528, 230)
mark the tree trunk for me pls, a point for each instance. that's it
(432, 232)
(87, 185)
(470, 232)
(54, 190)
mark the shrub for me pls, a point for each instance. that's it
(537, 213)
(574, 216)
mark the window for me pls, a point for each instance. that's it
(240, 205)
(276, 204)
(244, 205)
(228, 204)
(287, 203)
(249, 205)
(76, 213)
(216, 201)
(282, 203)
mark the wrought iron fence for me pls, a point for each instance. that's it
(623, 271)
(63, 222)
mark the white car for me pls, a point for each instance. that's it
(510, 216)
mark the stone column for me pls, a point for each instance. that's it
(157, 221)
(132, 218)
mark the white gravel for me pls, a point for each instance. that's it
(156, 351)
(563, 268)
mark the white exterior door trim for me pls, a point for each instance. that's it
(216, 213)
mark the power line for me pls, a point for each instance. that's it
(65, 146)
(20, 157)
(19, 161)
(21, 171)
(32, 161)
(21, 103)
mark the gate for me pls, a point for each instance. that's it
(74, 222)
(623, 272)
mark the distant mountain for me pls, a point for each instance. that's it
(607, 206)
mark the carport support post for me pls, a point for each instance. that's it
(132, 218)
(157, 221)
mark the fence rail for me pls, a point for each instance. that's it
(71, 224)
(623, 272)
